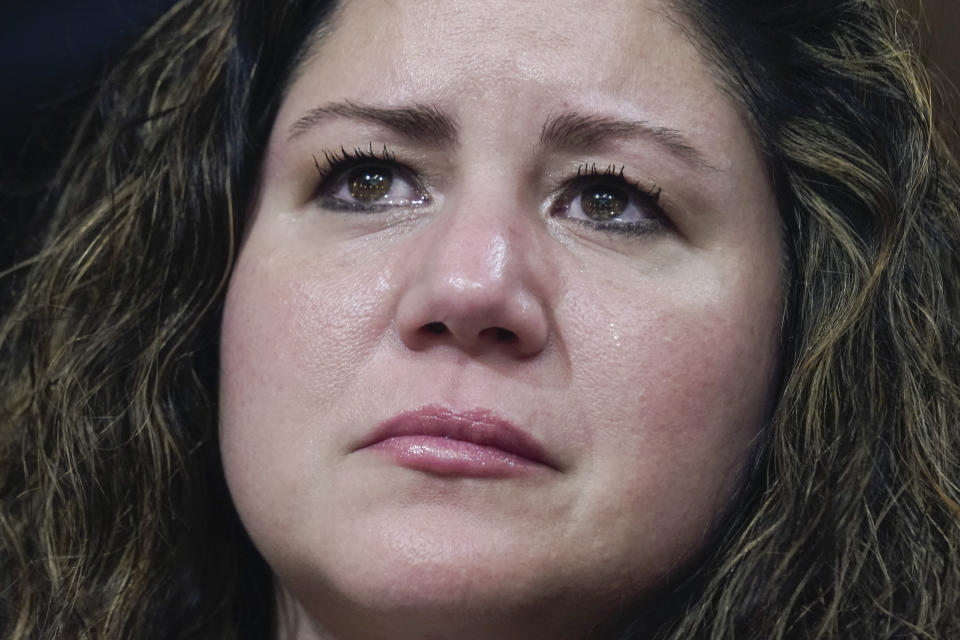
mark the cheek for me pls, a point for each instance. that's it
(293, 334)
(291, 344)
(679, 379)
(675, 351)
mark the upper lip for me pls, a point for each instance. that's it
(477, 426)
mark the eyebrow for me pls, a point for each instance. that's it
(417, 122)
(578, 131)
(585, 131)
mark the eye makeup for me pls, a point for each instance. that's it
(370, 180)
(606, 200)
(367, 181)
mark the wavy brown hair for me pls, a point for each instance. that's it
(115, 519)
(850, 524)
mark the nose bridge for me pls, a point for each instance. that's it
(472, 284)
(487, 227)
(474, 252)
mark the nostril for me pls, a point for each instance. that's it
(435, 328)
(501, 335)
(493, 334)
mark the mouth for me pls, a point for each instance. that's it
(443, 442)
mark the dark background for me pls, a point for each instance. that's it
(52, 53)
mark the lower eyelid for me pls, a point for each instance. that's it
(641, 228)
(562, 202)
(332, 203)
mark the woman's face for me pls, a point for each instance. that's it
(502, 330)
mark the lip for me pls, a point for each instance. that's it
(444, 442)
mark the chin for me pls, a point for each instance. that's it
(443, 581)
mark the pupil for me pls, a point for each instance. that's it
(369, 183)
(603, 202)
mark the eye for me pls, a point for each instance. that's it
(603, 202)
(367, 181)
(608, 201)
(372, 185)
(368, 184)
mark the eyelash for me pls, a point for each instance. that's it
(337, 163)
(614, 176)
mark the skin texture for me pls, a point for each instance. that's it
(641, 363)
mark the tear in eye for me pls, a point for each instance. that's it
(606, 200)
(363, 181)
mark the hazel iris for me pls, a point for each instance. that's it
(603, 202)
(368, 184)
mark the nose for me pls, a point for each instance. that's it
(475, 284)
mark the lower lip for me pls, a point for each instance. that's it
(448, 457)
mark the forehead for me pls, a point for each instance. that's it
(541, 39)
(509, 64)
(593, 54)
